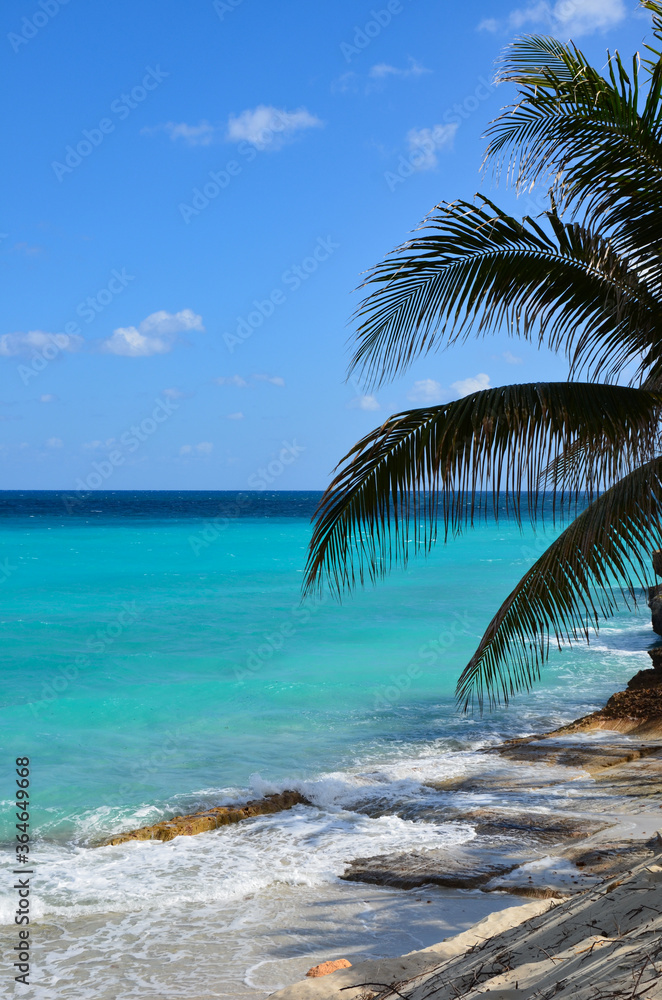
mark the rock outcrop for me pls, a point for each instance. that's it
(637, 710)
(415, 869)
(655, 604)
(641, 700)
(211, 819)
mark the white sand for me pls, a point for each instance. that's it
(605, 942)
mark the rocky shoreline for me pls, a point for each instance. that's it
(593, 927)
(582, 867)
(624, 764)
(626, 767)
(601, 944)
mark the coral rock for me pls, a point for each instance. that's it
(655, 604)
(646, 678)
(326, 967)
(642, 703)
(211, 819)
(656, 656)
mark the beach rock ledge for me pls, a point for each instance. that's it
(211, 819)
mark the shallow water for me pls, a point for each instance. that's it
(157, 659)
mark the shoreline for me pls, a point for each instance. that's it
(549, 941)
(490, 803)
(602, 942)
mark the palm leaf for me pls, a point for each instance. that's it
(581, 468)
(478, 269)
(590, 136)
(656, 10)
(394, 483)
(602, 556)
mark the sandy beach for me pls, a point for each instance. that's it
(592, 927)
(604, 941)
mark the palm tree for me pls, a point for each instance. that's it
(584, 278)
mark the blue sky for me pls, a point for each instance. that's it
(191, 194)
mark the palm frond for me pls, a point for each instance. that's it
(581, 468)
(656, 10)
(540, 60)
(477, 269)
(395, 483)
(601, 558)
(594, 138)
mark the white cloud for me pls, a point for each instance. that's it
(425, 143)
(235, 416)
(512, 359)
(202, 134)
(474, 384)
(235, 380)
(155, 335)
(426, 390)
(36, 341)
(269, 127)
(48, 398)
(173, 393)
(203, 448)
(94, 445)
(567, 18)
(364, 403)
(240, 383)
(54, 443)
(347, 83)
(29, 251)
(382, 70)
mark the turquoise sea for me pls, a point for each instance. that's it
(157, 659)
